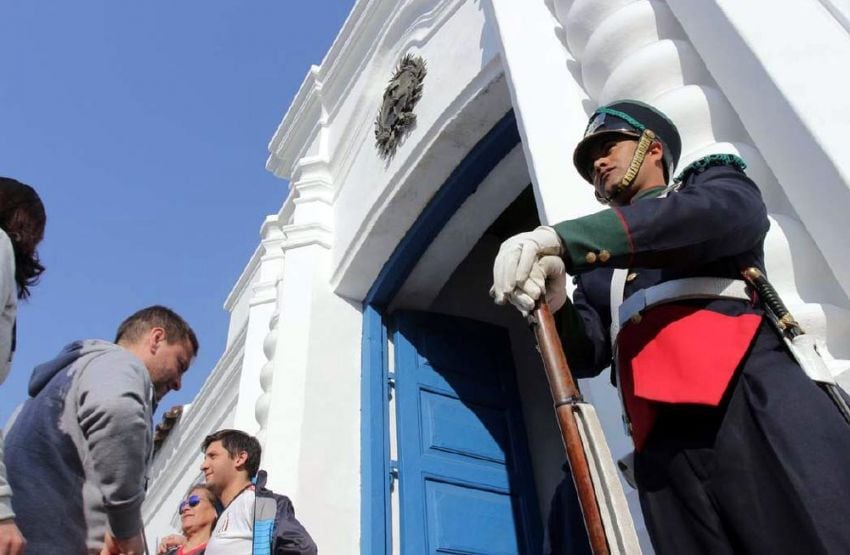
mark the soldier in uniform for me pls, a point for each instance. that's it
(737, 450)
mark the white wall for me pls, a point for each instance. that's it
(311, 445)
(350, 208)
(332, 119)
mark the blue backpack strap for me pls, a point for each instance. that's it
(265, 509)
(276, 530)
(290, 536)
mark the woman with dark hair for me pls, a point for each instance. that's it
(22, 221)
(197, 519)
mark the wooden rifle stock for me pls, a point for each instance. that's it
(566, 395)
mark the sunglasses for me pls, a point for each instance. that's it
(191, 501)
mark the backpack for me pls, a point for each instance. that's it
(276, 530)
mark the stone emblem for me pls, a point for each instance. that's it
(396, 117)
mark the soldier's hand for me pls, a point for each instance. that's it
(547, 279)
(517, 257)
(11, 540)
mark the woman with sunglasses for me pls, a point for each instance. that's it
(197, 517)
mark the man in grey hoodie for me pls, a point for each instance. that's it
(78, 452)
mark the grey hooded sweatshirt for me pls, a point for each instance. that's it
(78, 452)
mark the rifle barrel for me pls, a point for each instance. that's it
(566, 395)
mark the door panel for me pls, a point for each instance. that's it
(464, 472)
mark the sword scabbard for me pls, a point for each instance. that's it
(772, 302)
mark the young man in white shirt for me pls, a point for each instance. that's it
(231, 465)
(228, 470)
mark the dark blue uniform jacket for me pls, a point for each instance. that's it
(682, 352)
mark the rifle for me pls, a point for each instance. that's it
(567, 397)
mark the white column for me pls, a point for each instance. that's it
(311, 409)
(549, 103)
(783, 71)
(304, 239)
(262, 305)
(266, 376)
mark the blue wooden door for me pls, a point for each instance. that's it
(465, 479)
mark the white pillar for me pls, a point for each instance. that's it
(310, 409)
(783, 71)
(549, 104)
(261, 307)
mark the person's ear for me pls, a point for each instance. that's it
(655, 153)
(156, 337)
(241, 459)
(656, 149)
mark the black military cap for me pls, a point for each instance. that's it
(627, 118)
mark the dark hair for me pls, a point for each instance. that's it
(234, 442)
(176, 329)
(211, 497)
(22, 217)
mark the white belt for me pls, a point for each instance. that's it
(682, 289)
(618, 289)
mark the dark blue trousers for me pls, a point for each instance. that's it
(767, 471)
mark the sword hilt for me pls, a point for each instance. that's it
(770, 297)
(785, 322)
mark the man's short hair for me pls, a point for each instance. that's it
(138, 324)
(234, 442)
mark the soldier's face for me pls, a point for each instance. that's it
(611, 159)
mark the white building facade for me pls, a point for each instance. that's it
(399, 409)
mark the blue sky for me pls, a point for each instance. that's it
(144, 127)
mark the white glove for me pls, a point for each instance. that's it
(548, 277)
(516, 258)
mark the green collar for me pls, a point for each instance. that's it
(652, 192)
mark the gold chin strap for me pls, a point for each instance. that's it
(645, 141)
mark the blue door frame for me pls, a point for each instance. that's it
(374, 422)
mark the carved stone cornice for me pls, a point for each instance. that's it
(401, 26)
(245, 278)
(304, 119)
(302, 235)
(264, 267)
(312, 181)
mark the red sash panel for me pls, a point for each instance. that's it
(679, 354)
